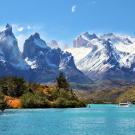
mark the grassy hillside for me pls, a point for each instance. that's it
(113, 95)
(128, 95)
(106, 84)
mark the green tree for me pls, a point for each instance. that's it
(12, 85)
(16, 86)
(30, 82)
(4, 80)
(62, 82)
(60, 103)
(3, 102)
(29, 100)
(35, 86)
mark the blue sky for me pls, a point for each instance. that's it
(63, 20)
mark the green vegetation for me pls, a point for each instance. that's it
(3, 104)
(33, 95)
(127, 96)
(92, 101)
(66, 99)
(113, 95)
(106, 84)
(12, 86)
(62, 82)
(30, 100)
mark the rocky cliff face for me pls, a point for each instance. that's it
(79, 41)
(9, 50)
(83, 40)
(33, 45)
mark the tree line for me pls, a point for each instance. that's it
(32, 95)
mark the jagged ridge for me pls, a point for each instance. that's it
(104, 56)
(38, 61)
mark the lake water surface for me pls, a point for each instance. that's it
(97, 120)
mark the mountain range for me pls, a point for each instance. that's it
(91, 59)
(104, 56)
(38, 61)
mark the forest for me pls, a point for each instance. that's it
(15, 92)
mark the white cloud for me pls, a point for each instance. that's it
(28, 27)
(73, 8)
(20, 29)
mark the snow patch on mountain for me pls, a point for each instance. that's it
(103, 52)
(35, 39)
(31, 62)
(39, 43)
(78, 53)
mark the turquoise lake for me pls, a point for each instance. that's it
(96, 120)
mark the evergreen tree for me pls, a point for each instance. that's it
(12, 85)
(62, 82)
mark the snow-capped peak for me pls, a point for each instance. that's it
(7, 32)
(90, 37)
(85, 39)
(36, 40)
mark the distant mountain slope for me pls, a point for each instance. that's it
(127, 96)
(105, 56)
(106, 91)
(113, 95)
(106, 84)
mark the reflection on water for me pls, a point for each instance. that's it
(95, 120)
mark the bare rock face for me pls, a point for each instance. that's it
(83, 40)
(53, 44)
(33, 45)
(9, 49)
(79, 42)
(65, 47)
(8, 43)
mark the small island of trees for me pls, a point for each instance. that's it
(34, 95)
